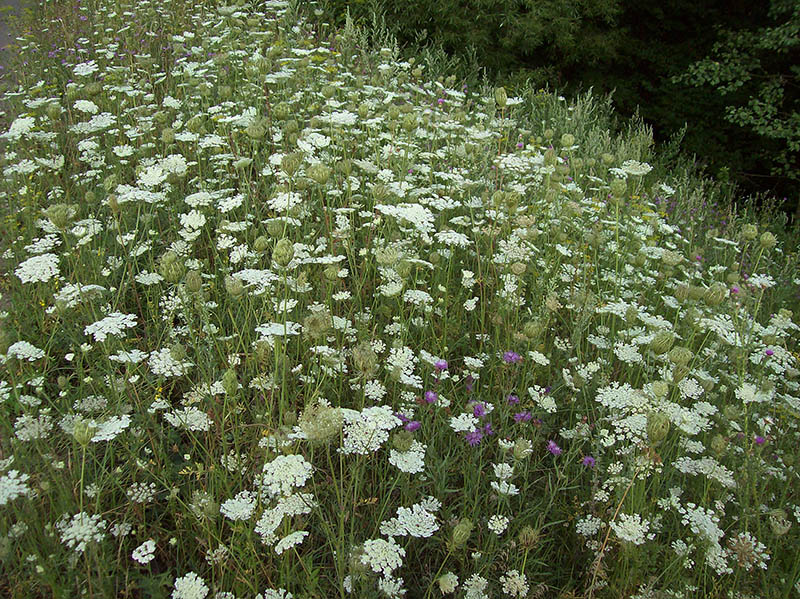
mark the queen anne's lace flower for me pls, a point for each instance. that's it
(190, 586)
(13, 485)
(80, 530)
(38, 269)
(382, 556)
(145, 552)
(285, 473)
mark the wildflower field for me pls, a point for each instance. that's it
(285, 315)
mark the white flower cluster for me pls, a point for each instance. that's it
(109, 429)
(190, 586)
(38, 269)
(81, 529)
(504, 472)
(515, 584)
(382, 556)
(401, 363)
(416, 521)
(283, 474)
(113, 324)
(163, 364)
(364, 432)
(13, 485)
(632, 528)
(190, 418)
(240, 507)
(22, 350)
(411, 461)
(145, 552)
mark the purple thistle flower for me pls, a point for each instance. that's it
(522, 416)
(412, 425)
(588, 461)
(474, 437)
(479, 410)
(511, 357)
(760, 440)
(440, 365)
(553, 448)
(487, 429)
(512, 400)
(431, 396)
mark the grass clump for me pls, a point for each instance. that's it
(286, 317)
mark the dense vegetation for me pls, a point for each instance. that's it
(649, 54)
(285, 315)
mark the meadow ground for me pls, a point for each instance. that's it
(291, 316)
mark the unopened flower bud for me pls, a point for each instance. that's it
(283, 253)
(528, 537)
(255, 130)
(749, 232)
(60, 215)
(319, 173)
(657, 428)
(261, 244)
(522, 449)
(680, 355)
(177, 352)
(500, 97)
(171, 268)
(321, 422)
(281, 111)
(234, 287)
(194, 281)
(779, 522)
(461, 533)
(230, 382)
(365, 360)
(567, 139)
(719, 444)
(662, 342)
(447, 583)
(402, 440)
(83, 432)
(767, 240)
(317, 325)
(715, 294)
(619, 187)
(660, 389)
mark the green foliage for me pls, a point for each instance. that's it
(509, 35)
(756, 71)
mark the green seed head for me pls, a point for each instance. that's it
(657, 428)
(662, 342)
(283, 253)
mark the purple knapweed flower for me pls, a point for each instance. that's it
(522, 416)
(412, 425)
(479, 410)
(588, 461)
(511, 357)
(440, 365)
(474, 437)
(431, 396)
(553, 448)
(512, 400)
